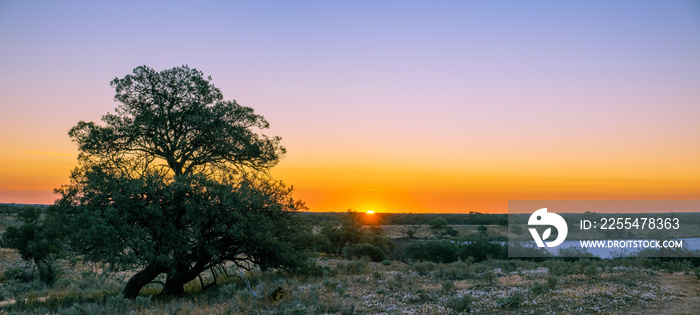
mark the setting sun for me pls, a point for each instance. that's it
(370, 212)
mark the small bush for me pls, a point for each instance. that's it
(460, 303)
(447, 286)
(449, 231)
(560, 268)
(227, 291)
(352, 267)
(423, 268)
(538, 288)
(422, 297)
(435, 251)
(489, 277)
(118, 304)
(374, 253)
(330, 285)
(482, 249)
(395, 283)
(590, 269)
(511, 302)
(458, 271)
(143, 302)
(16, 273)
(552, 282)
(297, 310)
(410, 231)
(437, 223)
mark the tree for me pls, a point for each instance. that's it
(482, 230)
(349, 232)
(37, 240)
(374, 253)
(175, 182)
(438, 223)
(502, 221)
(410, 231)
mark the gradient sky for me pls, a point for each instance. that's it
(400, 106)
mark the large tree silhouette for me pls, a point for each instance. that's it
(174, 182)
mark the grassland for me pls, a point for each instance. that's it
(362, 287)
(359, 286)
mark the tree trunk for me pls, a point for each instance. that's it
(175, 284)
(184, 273)
(139, 280)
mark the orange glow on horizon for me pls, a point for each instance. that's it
(387, 115)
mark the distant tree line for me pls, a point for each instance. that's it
(473, 218)
(15, 208)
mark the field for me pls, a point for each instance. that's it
(357, 285)
(424, 232)
(362, 287)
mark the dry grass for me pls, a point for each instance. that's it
(361, 287)
(424, 231)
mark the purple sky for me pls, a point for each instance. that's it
(457, 99)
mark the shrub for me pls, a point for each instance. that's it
(587, 267)
(143, 301)
(330, 285)
(460, 303)
(437, 223)
(560, 268)
(373, 252)
(482, 249)
(482, 230)
(457, 271)
(538, 288)
(297, 310)
(352, 267)
(489, 277)
(449, 231)
(118, 304)
(513, 301)
(552, 282)
(378, 239)
(423, 268)
(16, 273)
(573, 253)
(447, 286)
(502, 221)
(395, 283)
(409, 231)
(435, 251)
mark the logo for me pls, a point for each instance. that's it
(542, 217)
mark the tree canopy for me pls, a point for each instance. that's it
(180, 117)
(175, 182)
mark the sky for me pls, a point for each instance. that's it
(391, 106)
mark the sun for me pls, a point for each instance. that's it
(369, 212)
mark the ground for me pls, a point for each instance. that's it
(362, 287)
(688, 288)
(424, 231)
